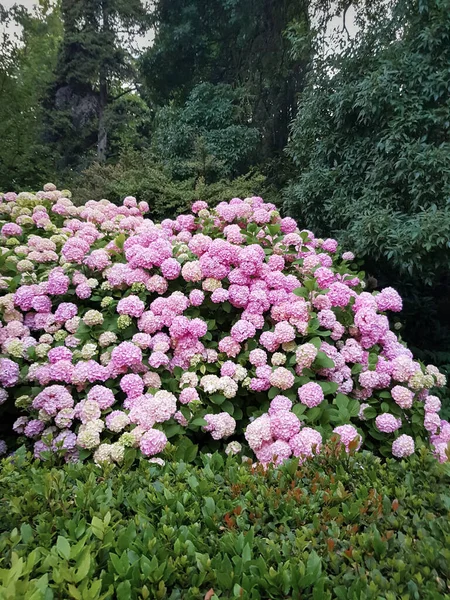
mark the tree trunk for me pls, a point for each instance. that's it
(102, 138)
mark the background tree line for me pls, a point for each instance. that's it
(349, 134)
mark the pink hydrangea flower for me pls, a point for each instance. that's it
(306, 443)
(131, 305)
(403, 446)
(311, 394)
(152, 442)
(348, 434)
(284, 425)
(387, 423)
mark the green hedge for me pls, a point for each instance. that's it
(347, 528)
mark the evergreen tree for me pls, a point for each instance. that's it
(95, 68)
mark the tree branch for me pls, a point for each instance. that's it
(131, 89)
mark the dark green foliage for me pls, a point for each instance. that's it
(142, 175)
(209, 136)
(27, 60)
(348, 529)
(371, 143)
(95, 68)
(241, 43)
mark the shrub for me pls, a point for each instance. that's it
(140, 174)
(345, 528)
(121, 333)
(371, 147)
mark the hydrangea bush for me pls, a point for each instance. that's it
(220, 327)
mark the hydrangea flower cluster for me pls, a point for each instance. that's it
(229, 322)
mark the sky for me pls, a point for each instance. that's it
(146, 40)
(142, 41)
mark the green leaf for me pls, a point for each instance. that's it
(370, 412)
(341, 402)
(186, 450)
(83, 565)
(97, 527)
(298, 409)
(120, 240)
(173, 430)
(26, 532)
(123, 591)
(313, 413)
(246, 553)
(322, 361)
(198, 422)
(210, 506)
(217, 398)
(328, 387)
(63, 547)
(302, 292)
(272, 393)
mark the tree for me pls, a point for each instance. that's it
(29, 47)
(210, 136)
(241, 43)
(95, 68)
(372, 149)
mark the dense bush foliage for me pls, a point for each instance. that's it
(345, 528)
(371, 145)
(117, 332)
(147, 178)
(215, 117)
